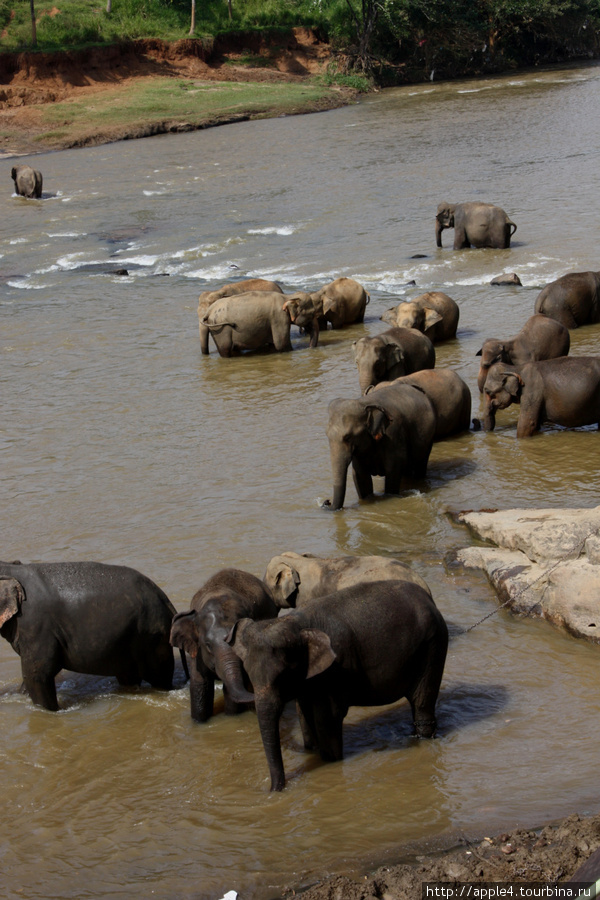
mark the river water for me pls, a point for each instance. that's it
(121, 443)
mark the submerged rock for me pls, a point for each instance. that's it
(546, 562)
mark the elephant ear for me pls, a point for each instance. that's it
(184, 632)
(287, 581)
(330, 304)
(12, 596)
(513, 384)
(432, 317)
(394, 354)
(378, 421)
(320, 651)
(235, 638)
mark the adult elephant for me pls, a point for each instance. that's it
(207, 298)
(227, 596)
(475, 224)
(343, 302)
(434, 313)
(573, 300)
(87, 617)
(296, 578)
(539, 338)
(395, 352)
(250, 321)
(367, 645)
(449, 395)
(564, 391)
(389, 433)
(28, 181)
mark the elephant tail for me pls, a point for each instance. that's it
(513, 226)
(173, 612)
(215, 326)
(368, 297)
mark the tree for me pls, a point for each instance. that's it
(193, 24)
(108, 6)
(33, 29)
(364, 23)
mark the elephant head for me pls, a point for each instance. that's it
(283, 579)
(353, 427)
(12, 596)
(278, 655)
(503, 386)
(443, 219)
(201, 634)
(413, 315)
(491, 352)
(377, 360)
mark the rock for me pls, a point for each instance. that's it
(507, 278)
(546, 562)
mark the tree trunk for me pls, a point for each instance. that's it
(33, 28)
(108, 7)
(193, 22)
(230, 10)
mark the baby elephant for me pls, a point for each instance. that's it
(296, 578)
(564, 391)
(434, 313)
(28, 181)
(86, 617)
(229, 595)
(367, 645)
(539, 338)
(395, 352)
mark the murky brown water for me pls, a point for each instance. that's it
(120, 443)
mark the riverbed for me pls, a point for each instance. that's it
(121, 443)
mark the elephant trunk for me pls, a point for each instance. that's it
(366, 378)
(489, 418)
(340, 460)
(229, 669)
(268, 711)
(438, 232)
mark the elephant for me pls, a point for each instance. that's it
(573, 299)
(344, 302)
(367, 645)
(227, 596)
(564, 391)
(86, 617)
(389, 433)
(296, 578)
(28, 181)
(307, 313)
(248, 321)
(207, 298)
(539, 338)
(434, 313)
(449, 395)
(475, 225)
(395, 352)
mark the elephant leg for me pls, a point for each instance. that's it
(461, 241)
(40, 686)
(363, 481)
(329, 719)
(529, 419)
(393, 480)
(202, 694)
(204, 333)
(159, 665)
(307, 725)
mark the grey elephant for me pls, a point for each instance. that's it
(539, 338)
(449, 395)
(389, 433)
(250, 321)
(296, 578)
(395, 352)
(344, 302)
(87, 617)
(475, 224)
(367, 645)
(28, 181)
(207, 298)
(227, 596)
(573, 299)
(564, 391)
(434, 313)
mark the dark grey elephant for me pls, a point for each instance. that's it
(434, 313)
(367, 645)
(564, 391)
(295, 578)
(227, 596)
(539, 338)
(250, 321)
(475, 225)
(449, 395)
(395, 352)
(207, 298)
(86, 617)
(573, 300)
(28, 181)
(389, 433)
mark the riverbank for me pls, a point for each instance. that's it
(143, 88)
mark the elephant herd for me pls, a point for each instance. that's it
(327, 633)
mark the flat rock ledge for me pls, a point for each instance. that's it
(546, 563)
